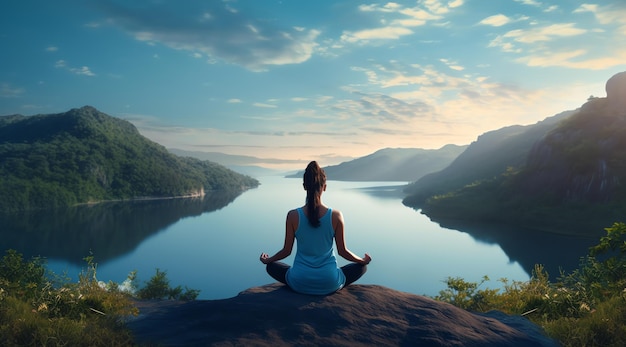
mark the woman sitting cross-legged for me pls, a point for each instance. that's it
(315, 226)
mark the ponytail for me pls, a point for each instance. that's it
(314, 181)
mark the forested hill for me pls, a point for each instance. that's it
(83, 155)
(572, 179)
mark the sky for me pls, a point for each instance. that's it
(293, 81)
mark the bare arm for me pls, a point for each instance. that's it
(290, 234)
(340, 240)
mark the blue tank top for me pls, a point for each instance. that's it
(315, 270)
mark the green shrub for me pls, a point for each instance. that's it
(34, 312)
(158, 287)
(602, 326)
(584, 308)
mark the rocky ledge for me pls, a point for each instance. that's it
(273, 315)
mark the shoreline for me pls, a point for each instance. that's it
(198, 194)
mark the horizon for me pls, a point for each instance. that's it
(292, 82)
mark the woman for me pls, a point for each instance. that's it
(315, 270)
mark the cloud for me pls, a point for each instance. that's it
(365, 111)
(454, 107)
(455, 3)
(606, 14)
(52, 49)
(401, 19)
(388, 33)
(418, 14)
(496, 20)
(385, 108)
(421, 107)
(442, 7)
(553, 45)
(574, 60)
(529, 2)
(586, 8)
(546, 7)
(512, 40)
(546, 33)
(263, 105)
(83, 70)
(612, 17)
(8, 91)
(388, 7)
(93, 25)
(551, 8)
(452, 64)
(216, 30)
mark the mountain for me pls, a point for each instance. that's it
(487, 157)
(393, 164)
(241, 163)
(571, 180)
(84, 155)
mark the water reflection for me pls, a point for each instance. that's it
(557, 253)
(217, 252)
(385, 192)
(111, 229)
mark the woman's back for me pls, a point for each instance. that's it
(315, 269)
(315, 242)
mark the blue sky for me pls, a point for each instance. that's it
(303, 80)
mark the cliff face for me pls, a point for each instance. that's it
(584, 159)
(365, 315)
(616, 93)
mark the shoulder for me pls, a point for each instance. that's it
(293, 216)
(336, 216)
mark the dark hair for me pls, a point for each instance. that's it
(314, 181)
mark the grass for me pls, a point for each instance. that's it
(36, 310)
(584, 308)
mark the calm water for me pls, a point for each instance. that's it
(214, 245)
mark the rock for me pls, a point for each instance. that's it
(273, 315)
(616, 92)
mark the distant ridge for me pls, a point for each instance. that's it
(246, 164)
(393, 164)
(487, 157)
(84, 156)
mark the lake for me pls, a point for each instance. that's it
(213, 244)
